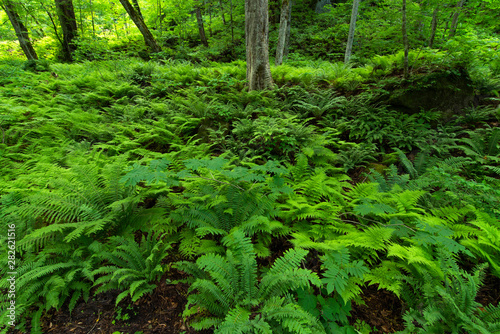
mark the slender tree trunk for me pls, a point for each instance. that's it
(116, 28)
(209, 8)
(137, 8)
(433, 27)
(201, 27)
(139, 22)
(257, 47)
(125, 24)
(454, 22)
(288, 29)
(231, 17)
(39, 31)
(285, 16)
(160, 29)
(92, 16)
(53, 24)
(66, 14)
(20, 29)
(222, 13)
(80, 9)
(352, 29)
(405, 42)
(273, 11)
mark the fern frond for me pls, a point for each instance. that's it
(237, 320)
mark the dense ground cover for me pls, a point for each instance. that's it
(147, 192)
(145, 183)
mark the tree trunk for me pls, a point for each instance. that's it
(352, 29)
(231, 17)
(92, 16)
(274, 11)
(21, 31)
(222, 13)
(159, 18)
(433, 27)
(257, 47)
(288, 28)
(405, 42)
(139, 22)
(54, 26)
(284, 31)
(82, 26)
(201, 27)
(66, 14)
(209, 9)
(39, 31)
(454, 22)
(137, 8)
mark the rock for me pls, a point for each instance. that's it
(450, 91)
(320, 6)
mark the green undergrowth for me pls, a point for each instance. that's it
(282, 205)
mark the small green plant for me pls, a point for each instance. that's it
(36, 66)
(332, 311)
(228, 293)
(484, 148)
(123, 314)
(316, 104)
(356, 156)
(451, 308)
(134, 266)
(276, 138)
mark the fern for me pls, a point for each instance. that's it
(452, 308)
(84, 204)
(133, 266)
(484, 241)
(318, 103)
(49, 279)
(343, 275)
(229, 289)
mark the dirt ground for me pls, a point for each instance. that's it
(161, 311)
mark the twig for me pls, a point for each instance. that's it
(98, 317)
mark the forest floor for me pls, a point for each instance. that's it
(161, 311)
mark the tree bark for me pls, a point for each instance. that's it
(257, 47)
(454, 22)
(66, 14)
(92, 16)
(288, 29)
(54, 26)
(222, 13)
(231, 17)
(137, 8)
(201, 27)
(405, 42)
(352, 29)
(39, 31)
(159, 18)
(274, 11)
(284, 31)
(139, 22)
(20, 29)
(433, 27)
(209, 9)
